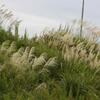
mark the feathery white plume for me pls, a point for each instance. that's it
(39, 62)
(5, 46)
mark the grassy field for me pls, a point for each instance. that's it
(54, 66)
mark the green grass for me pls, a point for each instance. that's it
(62, 80)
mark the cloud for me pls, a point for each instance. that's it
(38, 14)
(35, 24)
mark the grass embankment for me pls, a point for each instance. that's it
(56, 66)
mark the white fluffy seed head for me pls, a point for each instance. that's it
(68, 39)
(32, 51)
(17, 55)
(52, 62)
(39, 62)
(12, 48)
(92, 48)
(31, 54)
(25, 54)
(21, 51)
(5, 46)
(42, 87)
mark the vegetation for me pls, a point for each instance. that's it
(54, 66)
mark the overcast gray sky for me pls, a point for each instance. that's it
(38, 14)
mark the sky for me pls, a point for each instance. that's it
(36, 15)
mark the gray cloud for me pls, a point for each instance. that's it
(54, 11)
